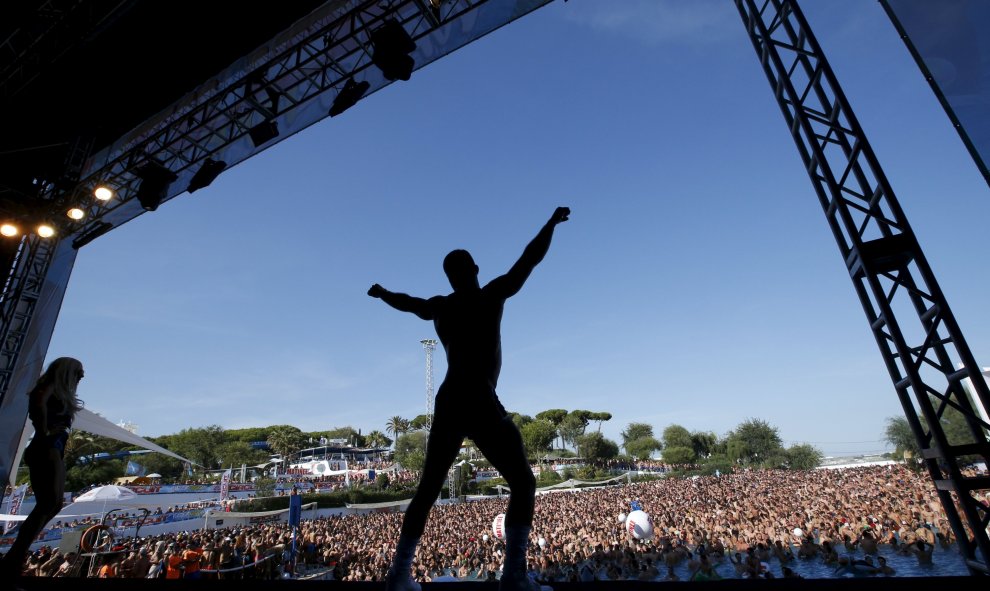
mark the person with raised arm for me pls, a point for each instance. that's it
(468, 323)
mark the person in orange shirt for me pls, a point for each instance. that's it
(109, 568)
(191, 558)
(173, 562)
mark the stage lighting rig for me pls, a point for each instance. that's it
(263, 132)
(9, 230)
(45, 230)
(206, 174)
(391, 48)
(155, 180)
(348, 96)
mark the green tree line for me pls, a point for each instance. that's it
(550, 433)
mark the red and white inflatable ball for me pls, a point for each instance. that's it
(498, 526)
(639, 526)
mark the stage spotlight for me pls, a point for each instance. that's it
(348, 96)
(92, 234)
(263, 132)
(206, 174)
(9, 230)
(76, 213)
(392, 46)
(155, 180)
(103, 193)
(46, 231)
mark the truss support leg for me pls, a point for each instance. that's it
(922, 346)
(29, 306)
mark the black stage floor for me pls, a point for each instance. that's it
(852, 584)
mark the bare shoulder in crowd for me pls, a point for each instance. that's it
(754, 513)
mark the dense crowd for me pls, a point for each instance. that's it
(736, 524)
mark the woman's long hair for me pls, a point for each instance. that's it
(64, 374)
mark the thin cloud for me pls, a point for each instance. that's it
(656, 22)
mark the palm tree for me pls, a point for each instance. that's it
(377, 439)
(396, 426)
(80, 443)
(284, 440)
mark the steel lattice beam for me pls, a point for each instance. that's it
(21, 296)
(311, 64)
(918, 336)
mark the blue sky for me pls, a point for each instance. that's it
(697, 282)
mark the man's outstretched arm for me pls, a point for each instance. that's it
(403, 302)
(509, 284)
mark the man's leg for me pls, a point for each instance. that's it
(502, 445)
(444, 443)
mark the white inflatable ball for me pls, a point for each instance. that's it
(542, 542)
(484, 538)
(639, 526)
(498, 526)
(622, 517)
(798, 532)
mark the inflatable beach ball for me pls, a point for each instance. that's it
(498, 526)
(639, 526)
(798, 532)
(542, 542)
(622, 517)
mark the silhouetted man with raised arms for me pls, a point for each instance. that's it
(468, 322)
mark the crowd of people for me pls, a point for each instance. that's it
(744, 524)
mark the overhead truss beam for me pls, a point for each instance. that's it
(292, 85)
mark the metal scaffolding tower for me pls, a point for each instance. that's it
(429, 345)
(923, 346)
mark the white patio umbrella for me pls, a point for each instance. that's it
(106, 494)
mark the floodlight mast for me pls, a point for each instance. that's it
(429, 345)
(885, 262)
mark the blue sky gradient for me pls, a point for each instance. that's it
(697, 282)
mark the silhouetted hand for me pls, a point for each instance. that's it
(376, 291)
(561, 214)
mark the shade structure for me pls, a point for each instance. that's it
(109, 492)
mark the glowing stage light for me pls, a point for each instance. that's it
(103, 193)
(9, 230)
(46, 231)
(76, 213)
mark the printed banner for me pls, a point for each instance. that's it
(15, 506)
(225, 486)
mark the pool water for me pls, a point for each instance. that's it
(944, 563)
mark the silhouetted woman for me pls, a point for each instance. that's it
(52, 406)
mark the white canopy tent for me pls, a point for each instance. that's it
(89, 421)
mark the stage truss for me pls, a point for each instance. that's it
(917, 334)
